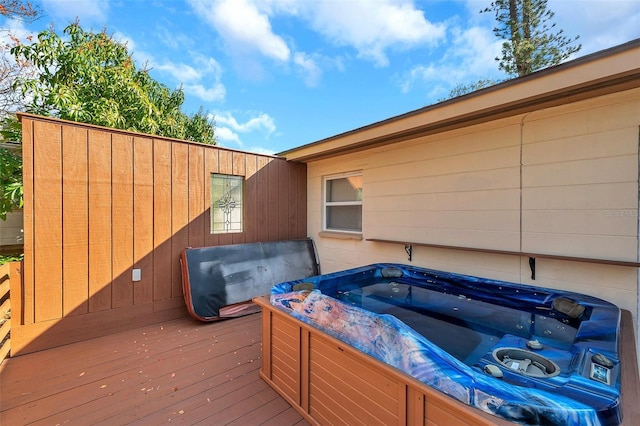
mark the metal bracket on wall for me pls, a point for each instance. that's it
(532, 265)
(409, 249)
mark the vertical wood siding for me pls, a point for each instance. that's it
(100, 225)
(121, 219)
(100, 202)
(47, 234)
(75, 223)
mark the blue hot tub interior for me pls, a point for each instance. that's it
(527, 354)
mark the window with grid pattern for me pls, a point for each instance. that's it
(343, 203)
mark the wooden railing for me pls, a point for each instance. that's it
(5, 311)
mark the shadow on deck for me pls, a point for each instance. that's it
(179, 371)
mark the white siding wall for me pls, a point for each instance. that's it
(459, 188)
(580, 178)
(579, 198)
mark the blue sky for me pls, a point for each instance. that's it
(277, 74)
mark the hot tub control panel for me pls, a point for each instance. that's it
(601, 368)
(600, 373)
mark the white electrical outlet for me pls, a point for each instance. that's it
(136, 275)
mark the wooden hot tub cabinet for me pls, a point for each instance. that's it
(330, 382)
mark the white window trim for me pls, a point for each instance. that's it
(326, 204)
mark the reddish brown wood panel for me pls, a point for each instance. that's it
(301, 182)
(75, 223)
(102, 202)
(196, 196)
(179, 212)
(47, 204)
(210, 166)
(143, 220)
(264, 184)
(438, 415)
(15, 284)
(285, 357)
(122, 219)
(100, 240)
(250, 200)
(239, 160)
(5, 307)
(273, 223)
(239, 169)
(374, 397)
(162, 254)
(28, 286)
(225, 163)
(283, 200)
(415, 407)
(630, 386)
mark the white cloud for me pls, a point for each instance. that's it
(207, 64)
(599, 23)
(259, 123)
(214, 93)
(261, 150)
(475, 49)
(244, 27)
(372, 28)
(88, 11)
(173, 39)
(225, 135)
(419, 73)
(229, 129)
(202, 79)
(181, 72)
(229, 139)
(470, 57)
(311, 71)
(203, 82)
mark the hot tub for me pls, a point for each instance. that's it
(526, 354)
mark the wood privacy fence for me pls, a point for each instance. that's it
(100, 202)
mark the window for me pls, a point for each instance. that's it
(227, 195)
(343, 203)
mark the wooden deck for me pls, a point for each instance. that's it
(179, 372)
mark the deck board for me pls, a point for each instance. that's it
(180, 371)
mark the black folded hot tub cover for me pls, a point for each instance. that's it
(220, 281)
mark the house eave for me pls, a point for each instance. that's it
(609, 71)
